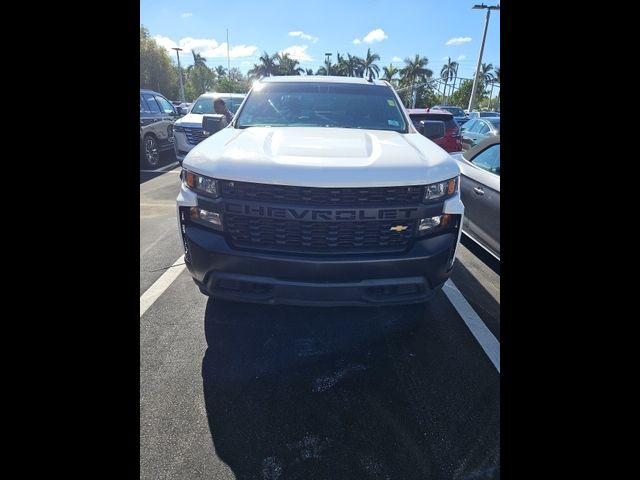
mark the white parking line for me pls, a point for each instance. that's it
(159, 286)
(479, 330)
(162, 169)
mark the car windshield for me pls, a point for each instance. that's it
(458, 112)
(496, 124)
(489, 114)
(204, 105)
(298, 104)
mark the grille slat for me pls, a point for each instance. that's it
(194, 135)
(320, 196)
(322, 237)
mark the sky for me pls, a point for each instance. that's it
(437, 29)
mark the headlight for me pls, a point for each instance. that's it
(439, 190)
(200, 183)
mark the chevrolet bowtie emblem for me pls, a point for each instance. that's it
(398, 228)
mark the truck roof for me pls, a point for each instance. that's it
(321, 79)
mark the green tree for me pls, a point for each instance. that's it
(234, 82)
(308, 71)
(220, 71)
(157, 70)
(266, 68)
(389, 73)
(287, 65)
(368, 65)
(414, 72)
(462, 96)
(447, 73)
(354, 65)
(201, 77)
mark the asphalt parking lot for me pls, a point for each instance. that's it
(279, 392)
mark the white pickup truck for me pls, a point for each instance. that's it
(320, 192)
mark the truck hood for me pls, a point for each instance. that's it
(321, 157)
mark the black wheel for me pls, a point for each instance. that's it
(150, 151)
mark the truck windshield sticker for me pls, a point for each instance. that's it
(393, 123)
(391, 103)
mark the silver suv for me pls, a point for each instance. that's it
(157, 116)
(188, 130)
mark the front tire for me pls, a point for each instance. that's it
(150, 152)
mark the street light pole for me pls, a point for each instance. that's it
(178, 50)
(328, 61)
(484, 36)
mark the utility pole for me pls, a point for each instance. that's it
(328, 61)
(178, 50)
(228, 58)
(484, 36)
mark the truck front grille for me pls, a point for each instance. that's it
(194, 135)
(318, 237)
(317, 196)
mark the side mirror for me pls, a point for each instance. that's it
(180, 110)
(212, 123)
(432, 129)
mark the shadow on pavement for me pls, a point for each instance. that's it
(166, 158)
(489, 260)
(348, 393)
(487, 308)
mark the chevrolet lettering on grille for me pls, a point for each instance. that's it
(322, 215)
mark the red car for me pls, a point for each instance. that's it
(451, 140)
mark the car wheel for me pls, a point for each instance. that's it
(150, 151)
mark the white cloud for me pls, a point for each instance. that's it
(458, 41)
(356, 41)
(298, 52)
(187, 15)
(376, 35)
(208, 48)
(444, 58)
(396, 59)
(461, 57)
(304, 36)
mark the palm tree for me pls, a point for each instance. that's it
(485, 75)
(287, 65)
(354, 64)
(389, 72)
(369, 67)
(415, 71)
(198, 60)
(447, 73)
(199, 70)
(221, 71)
(265, 68)
(308, 71)
(342, 67)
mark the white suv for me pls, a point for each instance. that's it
(188, 129)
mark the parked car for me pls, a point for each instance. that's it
(183, 108)
(157, 116)
(483, 114)
(458, 113)
(320, 192)
(451, 140)
(477, 129)
(480, 192)
(188, 130)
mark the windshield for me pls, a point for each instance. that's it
(293, 104)
(458, 112)
(489, 114)
(496, 124)
(204, 105)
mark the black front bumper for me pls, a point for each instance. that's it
(231, 274)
